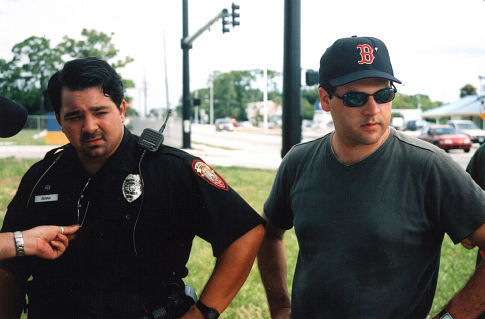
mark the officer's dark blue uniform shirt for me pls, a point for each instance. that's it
(122, 257)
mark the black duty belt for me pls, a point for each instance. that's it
(179, 302)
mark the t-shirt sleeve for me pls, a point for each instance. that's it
(277, 207)
(222, 214)
(459, 203)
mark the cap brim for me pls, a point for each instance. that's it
(364, 74)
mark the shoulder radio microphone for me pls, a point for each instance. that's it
(150, 139)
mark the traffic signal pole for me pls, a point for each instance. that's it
(186, 45)
(291, 77)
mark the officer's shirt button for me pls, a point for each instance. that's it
(128, 217)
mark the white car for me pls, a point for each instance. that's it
(476, 134)
(224, 125)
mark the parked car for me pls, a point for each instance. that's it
(446, 137)
(469, 127)
(224, 125)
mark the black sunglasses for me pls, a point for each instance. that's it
(356, 99)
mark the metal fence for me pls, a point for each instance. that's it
(37, 122)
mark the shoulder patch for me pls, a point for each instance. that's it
(208, 174)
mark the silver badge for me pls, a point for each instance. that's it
(131, 187)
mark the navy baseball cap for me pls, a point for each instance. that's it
(355, 58)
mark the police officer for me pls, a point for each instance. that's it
(138, 213)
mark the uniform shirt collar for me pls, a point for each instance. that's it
(127, 155)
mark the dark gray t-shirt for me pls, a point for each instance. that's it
(370, 233)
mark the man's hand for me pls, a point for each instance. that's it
(48, 242)
(193, 313)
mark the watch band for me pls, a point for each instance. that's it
(19, 243)
(208, 312)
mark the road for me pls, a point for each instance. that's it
(259, 148)
(255, 148)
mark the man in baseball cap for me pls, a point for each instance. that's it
(370, 206)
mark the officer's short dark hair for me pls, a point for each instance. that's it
(80, 74)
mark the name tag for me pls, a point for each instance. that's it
(46, 198)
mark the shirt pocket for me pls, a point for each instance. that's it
(54, 209)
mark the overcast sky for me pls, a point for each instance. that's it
(436, 46)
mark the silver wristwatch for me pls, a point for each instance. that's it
(19, 243)
(444, 315)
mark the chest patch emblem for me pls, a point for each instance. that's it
(131, 187)
(209, 175)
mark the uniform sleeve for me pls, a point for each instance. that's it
(476, 166)
(459, 203)
(277, 207)
(222, 215)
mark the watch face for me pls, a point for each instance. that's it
(446, 316)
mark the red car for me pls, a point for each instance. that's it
(446, 137)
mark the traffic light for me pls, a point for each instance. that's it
(224, 21)
(311, 77)
(235, 15)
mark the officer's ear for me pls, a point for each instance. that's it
(123, 110)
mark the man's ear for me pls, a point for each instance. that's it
(324, 99)
(123, 110)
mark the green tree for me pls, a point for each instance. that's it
(403, 101)
(309, 100)
(97, 44)
(24, 78)
(468, 89)
(234, 90)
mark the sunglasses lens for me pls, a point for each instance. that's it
(384, 95)
(355, 99)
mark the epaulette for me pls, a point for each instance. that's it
(56, 153)
(173, 151)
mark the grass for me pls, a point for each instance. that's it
(24, 137)
(457, 263)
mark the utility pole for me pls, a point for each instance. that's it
(291, 77)
(211, 100)
(145, 113)
(186, 44)
(186, 79)
(480, 96)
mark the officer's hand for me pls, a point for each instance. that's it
(48, 241)
(467, 243)
(193, 313)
